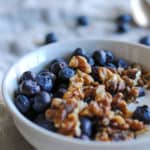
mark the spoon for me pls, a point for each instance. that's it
(141, 12)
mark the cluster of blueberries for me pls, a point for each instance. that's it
(36, 91)
(123, 25)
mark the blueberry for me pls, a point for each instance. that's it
(41, 101)
(82, 21)
(100, 57)
(122, 27)
(121, 63)
(50, 74)
(45, 80)
(110, 66)
(145, 40)
(57, 66)
(57, 60)
(50, 38)
(124, 18)
(142, 113)
(29, 88)
(141, 92)
(16, 93)
(28, 75)
(83, 137)
(88, 100)
(60, 92)
(22, 103)
(64, 86)
(79, 52)
(66, 73)
(31, 114)
(95, 72)
(86, 126)
(41, 121)
(109, 56)
(90, 60)
(53, 76)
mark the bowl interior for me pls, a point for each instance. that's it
(39, 58)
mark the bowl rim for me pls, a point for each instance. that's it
(15, 112)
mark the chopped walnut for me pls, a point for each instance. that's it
(70, 126)
(104, 74)
(102, 104)
(129, 82)
(86, 78)
(113, 81)
(81, 79)
(132, 94)
(133, 73)
(59, 110)
(146, 79)
(119, 123)
(135, 125)
(111, 134)
(74, 93)
(102, 136)
(102, 96)
(119, 103)
(81, 63)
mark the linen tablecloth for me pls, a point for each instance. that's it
(24, 23)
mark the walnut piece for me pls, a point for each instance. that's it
(113, 81)
(81, 63)
(59, 110)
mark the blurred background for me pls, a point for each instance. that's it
(25, 24)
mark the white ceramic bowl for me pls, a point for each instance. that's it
(45, 140)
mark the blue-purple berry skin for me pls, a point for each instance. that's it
(124, 18)
(95, 72)
(141, 92)
(51, 38)
(109, 56)
(123, 27)
(145, 40)
(83, 137)
(90, 60)
(79, 52)
(66, 73)
(57, 60)
(41, 102)
(46, 80)
(121, 63)
(100, 57)
(23, 103)
(88, 100)
(142, 113)
(86, 126)
(28, 75)
(110, 66)
(29, 88)
(57, 66)
(60, 92)
(42, 122)
(83, 21)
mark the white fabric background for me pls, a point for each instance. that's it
(23, 24)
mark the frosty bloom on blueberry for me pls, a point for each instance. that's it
(86, 97)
